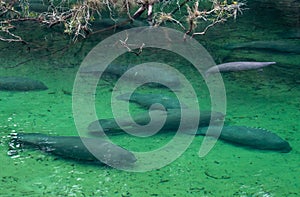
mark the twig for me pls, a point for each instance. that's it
(207, 27)
(137, 14)
(126, 45)
(179, 7)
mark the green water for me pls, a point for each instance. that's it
(267, 99)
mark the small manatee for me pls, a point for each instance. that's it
(21, 84)
(251, 137)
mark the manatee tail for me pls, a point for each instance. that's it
(21, 140)
(29, 138)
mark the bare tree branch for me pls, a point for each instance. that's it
(77, 17)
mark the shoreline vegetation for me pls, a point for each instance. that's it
(78, 18)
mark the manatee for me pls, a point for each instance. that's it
(276, 45)
(20, 84)
(237, 66)
(74, 148)
(148, 73)
(110, 124)
(172, 116)
(147, 100)
(291, 33)
(251, 137)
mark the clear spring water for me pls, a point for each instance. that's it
(267, 99)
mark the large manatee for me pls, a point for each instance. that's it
(172, 117)
(251, 137)
(150, 73)
(73, 147)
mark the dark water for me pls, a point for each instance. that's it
(267, 99)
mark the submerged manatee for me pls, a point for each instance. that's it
(251, 137)
(73, 147)
(291, 33)
(237, 66)
(172, 116)
(276, 45)
(149, 73)
(20, 84)
(147, 100)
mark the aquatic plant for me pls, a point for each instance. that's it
(77, 16)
